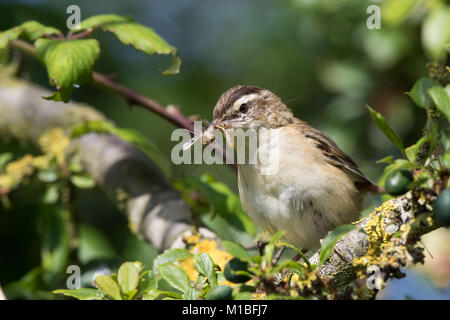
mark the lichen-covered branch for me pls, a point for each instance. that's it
(132, 181)
(383, 242)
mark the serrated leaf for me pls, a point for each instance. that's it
(101, 20)
(205, 266)
(128, 278)
(419, 92)
(235, 250)
(80, 294)
(170, 255)
(33, 30)
(144, 39)
(330, 240)
(108, 286)
(140, 37)
(9, 35)
(68, 62)
(441, 99)
(175, 276)
(382, 124)
(82, 182)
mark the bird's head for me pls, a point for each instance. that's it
(250, 107)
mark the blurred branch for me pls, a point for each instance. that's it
(133, 182)
(132, 97)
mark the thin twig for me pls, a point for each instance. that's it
(130, 95)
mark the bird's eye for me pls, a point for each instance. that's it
(243, 108)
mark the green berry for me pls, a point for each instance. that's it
(442, 208)
(219, 293)
(397, 181)
(235, 265)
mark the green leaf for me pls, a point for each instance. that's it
(150, 149)
(108, 286)
(381, 123)
(205, 266)
(68, 62)
(156, 294)
(140, 37)
(51, 195)
(9, 35)
(128, 278)
(33, 30)
(291, 265)
(170, 255)
(174, 67)
(48, 175)
(80, 294)
(144, 39)
(82, 181)
(93, 245)
(191, 294)
(330, 240)
(441, 99)
(388, 159)
(419, 92)
(300, 252)
(146, 282)
(175, 276)
(413, 151)
(224, 202)
(55, 239)
(445, 139)
(235, 250)
(101, 20)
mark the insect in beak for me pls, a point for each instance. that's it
(206, 136)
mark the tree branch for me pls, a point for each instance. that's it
(155, 211)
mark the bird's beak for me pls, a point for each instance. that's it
(208, 133)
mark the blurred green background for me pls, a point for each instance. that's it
(318, 55)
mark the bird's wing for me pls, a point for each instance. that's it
(337, 157)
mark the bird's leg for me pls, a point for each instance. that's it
(261, 246)
(277, 256)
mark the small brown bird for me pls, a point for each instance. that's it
(317, 186)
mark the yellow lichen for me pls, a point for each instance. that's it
(54, 143)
